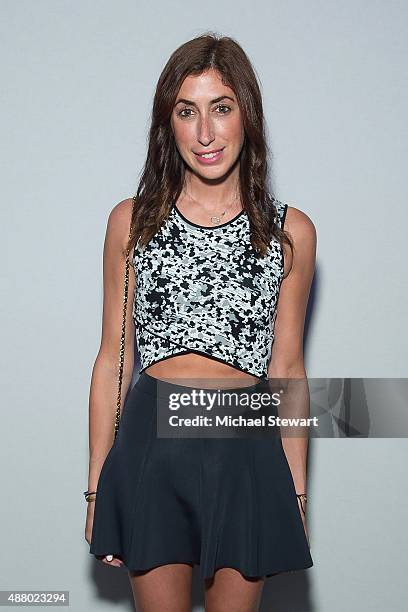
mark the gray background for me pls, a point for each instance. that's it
(77, 84)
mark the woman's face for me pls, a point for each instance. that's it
(206, 117)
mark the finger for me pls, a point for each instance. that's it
(114, 563)
(111, 560)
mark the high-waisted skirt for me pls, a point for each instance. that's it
(226, 502)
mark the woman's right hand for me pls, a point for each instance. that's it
(89, 521)
(88, 536)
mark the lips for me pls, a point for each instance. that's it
(200, 153)
(214, 156)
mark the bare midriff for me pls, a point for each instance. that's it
(198, 369)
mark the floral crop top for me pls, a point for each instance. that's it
(203, 290)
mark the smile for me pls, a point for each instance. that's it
(210, 157)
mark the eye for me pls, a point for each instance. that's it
(180, 113)
(224, 106)
(225, 109)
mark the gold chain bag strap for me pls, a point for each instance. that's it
(122, 338)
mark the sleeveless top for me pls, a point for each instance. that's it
(203, 290)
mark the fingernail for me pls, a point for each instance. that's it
(109, 557)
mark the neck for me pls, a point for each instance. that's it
(213, 193)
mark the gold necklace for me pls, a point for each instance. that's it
(215, 219)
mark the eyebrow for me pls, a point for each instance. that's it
(192, 103)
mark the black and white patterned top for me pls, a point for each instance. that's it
(202, 290)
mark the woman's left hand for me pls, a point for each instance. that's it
(303, 516)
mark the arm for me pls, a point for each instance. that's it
(104, 381)
(287, 351)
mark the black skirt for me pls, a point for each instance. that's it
(226, 502)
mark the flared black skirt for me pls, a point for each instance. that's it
(226, 502)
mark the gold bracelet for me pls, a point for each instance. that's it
(302, 497)
(88, 494)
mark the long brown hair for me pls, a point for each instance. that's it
(162, 178)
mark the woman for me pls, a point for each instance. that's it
(211, 256)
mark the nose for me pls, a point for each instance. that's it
(205, 131)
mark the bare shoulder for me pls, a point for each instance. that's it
(303, 233)
(121, 213)
(119, 221)
(299, 225)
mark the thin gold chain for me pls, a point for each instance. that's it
(122, 338)
(217, 217)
